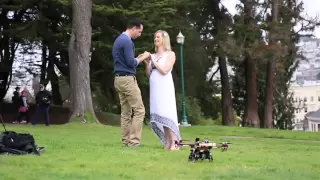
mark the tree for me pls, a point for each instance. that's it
(223, 22)
(251, 117)
(214, 23)
(79, 56)
(271, 68)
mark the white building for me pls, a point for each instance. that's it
(306, 86)
(313, 121)
(306, 98)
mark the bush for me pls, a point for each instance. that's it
(193, 110)
(218, 121)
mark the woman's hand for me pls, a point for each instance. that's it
(167, 66)
(147, 61)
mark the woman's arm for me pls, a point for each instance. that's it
(167, 66)
(148, 67)
(24, 100)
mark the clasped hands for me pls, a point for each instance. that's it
(145, 57)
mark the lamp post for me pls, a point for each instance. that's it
(180, 40)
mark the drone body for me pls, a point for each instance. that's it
(202, 150)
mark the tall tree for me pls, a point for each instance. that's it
(251, 117)
(214, 23)
(271, 68)
(79, 56)
(222, 23)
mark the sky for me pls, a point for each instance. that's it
(311, 9)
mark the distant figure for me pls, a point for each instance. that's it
(35, 83)
(125, 82)
(43, 101)
(23, 108)
(16, 102)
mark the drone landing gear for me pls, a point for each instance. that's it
(210, 158)
(196, 155)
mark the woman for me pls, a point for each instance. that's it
(23, 108)
(163, 110)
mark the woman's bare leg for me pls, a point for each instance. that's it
(167, 137)
(173, 138)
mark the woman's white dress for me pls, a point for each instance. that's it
(163, 109)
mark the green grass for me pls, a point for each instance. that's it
(93, 152)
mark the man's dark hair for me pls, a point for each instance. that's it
(134, 23)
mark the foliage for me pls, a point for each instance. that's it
(193, 110)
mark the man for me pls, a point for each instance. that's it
(16, 102)
(43, 101)
(132, 108)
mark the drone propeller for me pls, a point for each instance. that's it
(225, 143)
(224, 146)
(206, 143)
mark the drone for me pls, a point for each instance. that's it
(202, 150)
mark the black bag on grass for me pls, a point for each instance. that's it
(17, 143)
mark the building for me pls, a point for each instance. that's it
(313, 121)
(307, 99)
(306, 83)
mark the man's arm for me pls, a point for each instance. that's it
(37, 98)
(129, 55)
(49, 94)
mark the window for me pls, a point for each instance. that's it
(305, 99)
(311, 98)
(312, 107)
(305, 109)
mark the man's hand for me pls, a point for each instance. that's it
(143, 56)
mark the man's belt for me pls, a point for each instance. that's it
(123, 74)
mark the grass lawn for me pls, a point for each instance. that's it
(93, 152)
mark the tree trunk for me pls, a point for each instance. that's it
(270, 78)
(44, 59)
(54, 79)
(8, 48)
(226, 102)
(251, 117)
(79, 56)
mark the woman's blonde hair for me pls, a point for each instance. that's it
(165, 40)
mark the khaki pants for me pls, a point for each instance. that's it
(132, 109)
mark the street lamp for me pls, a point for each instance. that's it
(180, 40)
